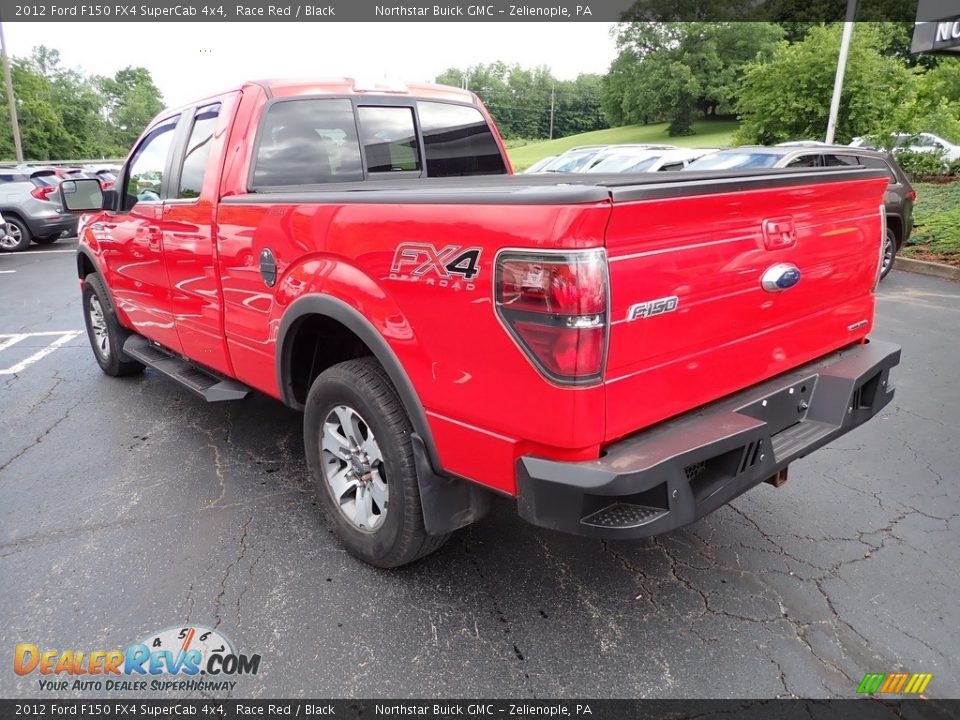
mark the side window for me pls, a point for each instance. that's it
(198, 152)
(389, 139)
(878, 164)
(841, 160)
(805, 161)
(457, 141)
(145, 176)
(306, 142)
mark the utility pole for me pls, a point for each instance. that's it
(553, 98)
(10, 98)
(841, 69)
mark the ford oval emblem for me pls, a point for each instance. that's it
(780, 277)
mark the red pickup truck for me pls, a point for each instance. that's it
(621, 354)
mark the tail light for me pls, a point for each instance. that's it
(43, 192)
(913, 195)
(555, 306)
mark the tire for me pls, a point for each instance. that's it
(359, 396)
(15, 235)
(101, 322)
(890, 248)
(47, 239)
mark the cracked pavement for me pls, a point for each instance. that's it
(128, 506)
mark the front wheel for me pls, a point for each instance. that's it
(105, 333)
(889, 253)
(357, 441)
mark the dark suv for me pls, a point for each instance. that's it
(898, 199)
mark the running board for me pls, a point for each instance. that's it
(199, 381)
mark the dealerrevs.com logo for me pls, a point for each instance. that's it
(183, 659)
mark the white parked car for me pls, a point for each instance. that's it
(635, 160)
(916, 142)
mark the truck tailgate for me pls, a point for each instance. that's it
(690, 318)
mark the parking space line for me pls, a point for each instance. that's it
(6, 272)
(8, 340)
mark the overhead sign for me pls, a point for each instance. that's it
(937, 29)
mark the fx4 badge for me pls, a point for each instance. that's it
(451, 266)
(652, 307)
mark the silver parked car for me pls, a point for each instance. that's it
(31, 208)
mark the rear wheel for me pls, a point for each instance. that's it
(889, 253)
(105, 333)
(357, 441)
(14, 235)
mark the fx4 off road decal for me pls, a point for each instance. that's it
(453, 266)
(652, 307)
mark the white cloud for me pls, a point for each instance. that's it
(191, 60)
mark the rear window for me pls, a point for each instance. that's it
(389, 139)
(879, 164)
(457, 141)
(45, 179)
(306, 142)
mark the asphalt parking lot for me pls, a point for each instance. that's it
(128, 506)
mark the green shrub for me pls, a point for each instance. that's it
(936, 217)
(919, 165)
(940, 233)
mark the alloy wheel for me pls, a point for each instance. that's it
(354, 469)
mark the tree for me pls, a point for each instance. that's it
(519, 99)
(132, 100)
(65, 114)
(670, 70)
(788, 97)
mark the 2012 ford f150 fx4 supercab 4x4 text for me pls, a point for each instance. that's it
(621, 354)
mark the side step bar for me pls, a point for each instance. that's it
(199, 381)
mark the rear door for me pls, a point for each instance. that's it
(691, 318)
(132, 242)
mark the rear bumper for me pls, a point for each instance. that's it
(51, 225)
(680, 470)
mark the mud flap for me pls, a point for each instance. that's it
(448, 503)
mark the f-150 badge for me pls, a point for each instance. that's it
(652, 307)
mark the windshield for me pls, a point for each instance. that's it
(727, 161)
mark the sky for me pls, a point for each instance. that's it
(192, 60)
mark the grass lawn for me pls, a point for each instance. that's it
(936, 223)
(710, 133)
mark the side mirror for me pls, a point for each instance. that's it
(83, 195)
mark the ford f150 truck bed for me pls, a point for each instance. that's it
(622, 354)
